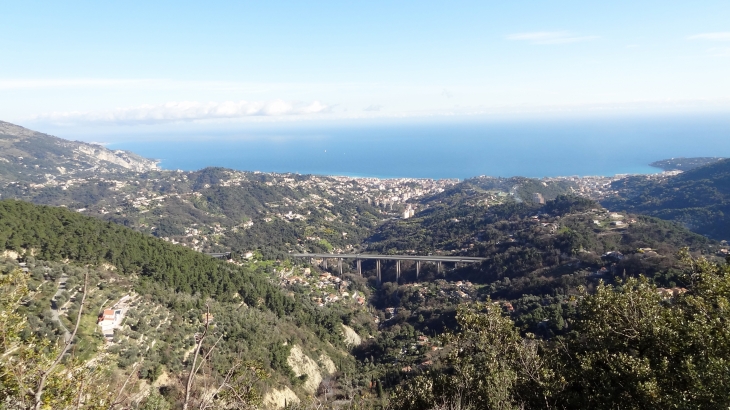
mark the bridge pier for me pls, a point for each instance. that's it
(418, 268)
(397, 271)
(325, 263)
(359, 267)
(438, 268)
(339, 262)
(377, 264)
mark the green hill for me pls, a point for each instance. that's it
(698, 198)
(485, 188)
(170, 286)
(541, 262)
(530, 251)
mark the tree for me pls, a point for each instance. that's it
(636, 347)
(631, 346)
(489, 366)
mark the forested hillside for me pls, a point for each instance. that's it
(627, 346)
(538, 259)
(253, 317)
(698, 198)
(541, 259)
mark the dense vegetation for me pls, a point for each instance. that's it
(538, 260)
(699, 198)
(629, 347)
(181, 280)
(55, 234)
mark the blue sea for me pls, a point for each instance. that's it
(440, 149)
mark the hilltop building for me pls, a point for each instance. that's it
(409, 212)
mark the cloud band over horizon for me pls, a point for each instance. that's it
(186, 111)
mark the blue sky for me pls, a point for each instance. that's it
(139, 65)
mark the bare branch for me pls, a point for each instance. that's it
(193, 368)
(204, 405)
(207, 354)
(124, 386)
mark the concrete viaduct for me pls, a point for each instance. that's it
(359, 257)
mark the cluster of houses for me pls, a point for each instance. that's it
(329, 288)
(421, 340)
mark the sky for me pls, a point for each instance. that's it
(73, 66)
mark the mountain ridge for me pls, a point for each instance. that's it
(27, 155)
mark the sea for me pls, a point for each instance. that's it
(438, 149)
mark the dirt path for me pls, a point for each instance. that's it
(55, 309)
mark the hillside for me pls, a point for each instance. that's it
(698, 199)
(170, 287)
(539, 258)
(541, 250)
(216, 209)
(684, 164)
(31, 156)
(210, 210)
(493, 190)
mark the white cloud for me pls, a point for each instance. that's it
(718, 36)
(549, 37)
(373, 107)
(187, 111)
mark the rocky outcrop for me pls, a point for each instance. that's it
(351, 337)
(326, 364)
(121, 158)
(301, 364)
(280, 398)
